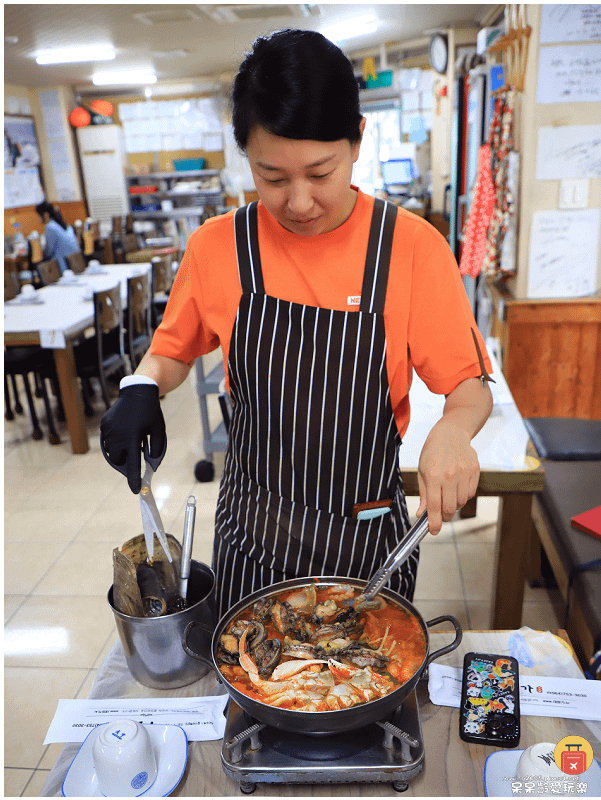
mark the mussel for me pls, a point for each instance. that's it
(267, 656)
(227, 649)
(365, 657)
(295, 649)
(262, 609)
(288, 622)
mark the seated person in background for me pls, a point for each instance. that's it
(61, 240)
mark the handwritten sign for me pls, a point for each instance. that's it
(567, 22)
(569, 151)
(563, 253)
(569, 74)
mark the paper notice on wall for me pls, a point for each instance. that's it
(563, 253)
(570, 22)
(569, 74)
(568, 151)
(65, 188)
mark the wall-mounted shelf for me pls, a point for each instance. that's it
(188, 195)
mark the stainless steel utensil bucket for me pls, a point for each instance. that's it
(153, 645)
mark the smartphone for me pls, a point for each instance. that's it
(490, 700)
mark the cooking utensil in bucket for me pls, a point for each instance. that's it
(318, 723)
(151, 519)
(184, 569)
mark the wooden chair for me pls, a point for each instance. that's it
(76, 262)
(162, 280)
(102, 355)
(129, 223)
(108, 252)
(48, 271)
(130, 242)
(12, 287)
(117, 226)
(138, 328)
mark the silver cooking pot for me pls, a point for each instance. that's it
(319, 723)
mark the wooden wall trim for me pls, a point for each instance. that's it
(30, 221)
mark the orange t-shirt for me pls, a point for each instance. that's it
(427, 315)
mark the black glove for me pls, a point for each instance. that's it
(135, 415)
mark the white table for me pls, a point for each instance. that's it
(453, 768)
(66, 311)
(506, 471)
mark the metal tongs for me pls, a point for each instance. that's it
(399, 555)
(151, 519)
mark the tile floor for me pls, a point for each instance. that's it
(63, 516)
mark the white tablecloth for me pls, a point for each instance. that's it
(68, 308)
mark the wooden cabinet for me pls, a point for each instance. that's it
(551, 353)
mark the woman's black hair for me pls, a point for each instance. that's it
(298, 85)
(55, 214)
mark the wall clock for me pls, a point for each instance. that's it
(439, 52)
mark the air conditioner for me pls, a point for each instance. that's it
(103, 160)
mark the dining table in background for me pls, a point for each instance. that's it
(65, 312)
(507, 471)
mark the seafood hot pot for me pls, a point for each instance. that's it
(319, 723)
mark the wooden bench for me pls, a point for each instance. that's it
(571, 449)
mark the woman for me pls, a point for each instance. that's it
(61, 240)
(323, 301)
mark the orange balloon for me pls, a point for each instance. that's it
(102, 107)
(79, 117)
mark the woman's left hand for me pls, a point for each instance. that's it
(448, 473)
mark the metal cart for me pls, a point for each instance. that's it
(215, 441)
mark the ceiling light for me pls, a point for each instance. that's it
(119, 78)
(75, 54)
(359, 26)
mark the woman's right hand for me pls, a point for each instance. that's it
(135, 415)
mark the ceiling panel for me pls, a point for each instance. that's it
(193, 40)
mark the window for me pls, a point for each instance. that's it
(382, 132)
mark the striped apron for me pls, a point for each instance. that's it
(312, 433)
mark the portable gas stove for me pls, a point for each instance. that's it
(390, 750)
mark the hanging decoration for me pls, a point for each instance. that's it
(99, 112)
(80, 117)
(490, 240)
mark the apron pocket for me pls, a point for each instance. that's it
(300, 540)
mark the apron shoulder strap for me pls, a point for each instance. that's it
(247, 249)
(377, 260)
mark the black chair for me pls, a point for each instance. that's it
(26, 361)
(162, 280)
(102, 356)
(138, 328)
(48, 271)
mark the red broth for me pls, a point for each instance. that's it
(380, 651)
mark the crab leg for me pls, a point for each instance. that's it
(290, 668)
(246, 661)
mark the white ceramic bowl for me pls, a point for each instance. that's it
(124, 760)
(27, 288)
(538, 762)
